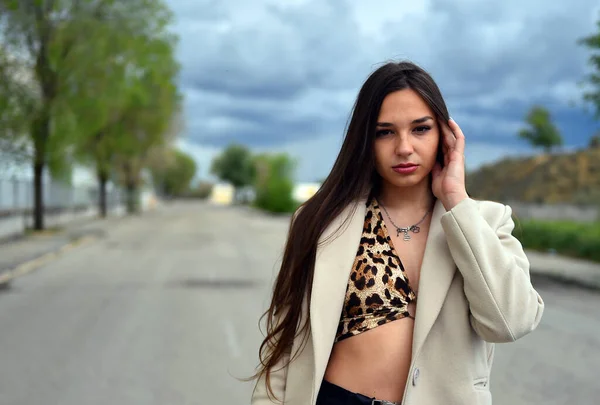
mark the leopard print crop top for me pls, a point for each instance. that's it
(378, 290)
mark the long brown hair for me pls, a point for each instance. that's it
(353, 176)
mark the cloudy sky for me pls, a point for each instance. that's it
(282, 75)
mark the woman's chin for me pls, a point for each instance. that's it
(406, 181)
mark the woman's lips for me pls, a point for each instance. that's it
(405, 168)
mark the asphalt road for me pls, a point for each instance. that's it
(164, 310)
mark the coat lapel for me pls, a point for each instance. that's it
(335, 255)
(437, 272)
(333, 264)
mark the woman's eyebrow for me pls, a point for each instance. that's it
(416, 121)
(422, 119)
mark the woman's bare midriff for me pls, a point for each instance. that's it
(374, 363)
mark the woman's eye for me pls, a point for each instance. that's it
(422, 129)
(382, 132)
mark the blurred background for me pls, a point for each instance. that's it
(152, 151)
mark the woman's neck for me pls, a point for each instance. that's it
(417, 199)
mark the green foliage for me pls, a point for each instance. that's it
(541, 132)
(32, 36)
(94, 81)
(592, 42)
(595, 141)
(566, 238)
(270, 174)
(45, 49)
(138, 81)
(18, 99)
(175, 178)
(235, 166)
(274, 185)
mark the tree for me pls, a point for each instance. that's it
(541, 132)
(45, 34)
(127, 105)
(99, 98)
(273, 183)
(147, 123)
(179, 178)
(176, 178)
(234, 165)
(98, 67)
(595, 141)
(592, 96)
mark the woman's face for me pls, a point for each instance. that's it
(407, 138)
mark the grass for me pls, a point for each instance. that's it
(579, 240)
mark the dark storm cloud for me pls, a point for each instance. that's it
(267, 75)
(517, 49)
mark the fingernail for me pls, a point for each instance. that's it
(451, 119)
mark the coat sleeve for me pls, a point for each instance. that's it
(503, 304)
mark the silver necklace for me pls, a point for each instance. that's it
(413, 228)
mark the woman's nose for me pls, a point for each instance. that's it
(403, 145)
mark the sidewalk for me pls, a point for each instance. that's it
(14, 253)
(566, 269)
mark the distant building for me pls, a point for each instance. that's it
(222, 194)
(304, 191)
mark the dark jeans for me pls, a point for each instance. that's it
(331, 394)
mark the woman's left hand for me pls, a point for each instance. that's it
(448, 183)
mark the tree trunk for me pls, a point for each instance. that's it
(41, 132)
(41, 124)
(131, 198)
(130, 188)
(102, 180)
(38, 196)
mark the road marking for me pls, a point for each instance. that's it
(5, 277)
(230, 336)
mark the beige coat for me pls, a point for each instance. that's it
(474, 291)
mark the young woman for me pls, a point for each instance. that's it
(395, 284)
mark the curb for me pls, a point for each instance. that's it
(27, 267)
(566, 270)
(593, 285)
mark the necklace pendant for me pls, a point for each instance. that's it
(405, 230)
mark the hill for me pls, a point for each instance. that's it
(546, 178)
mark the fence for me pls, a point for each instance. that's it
(63, 203)
(16, 196)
